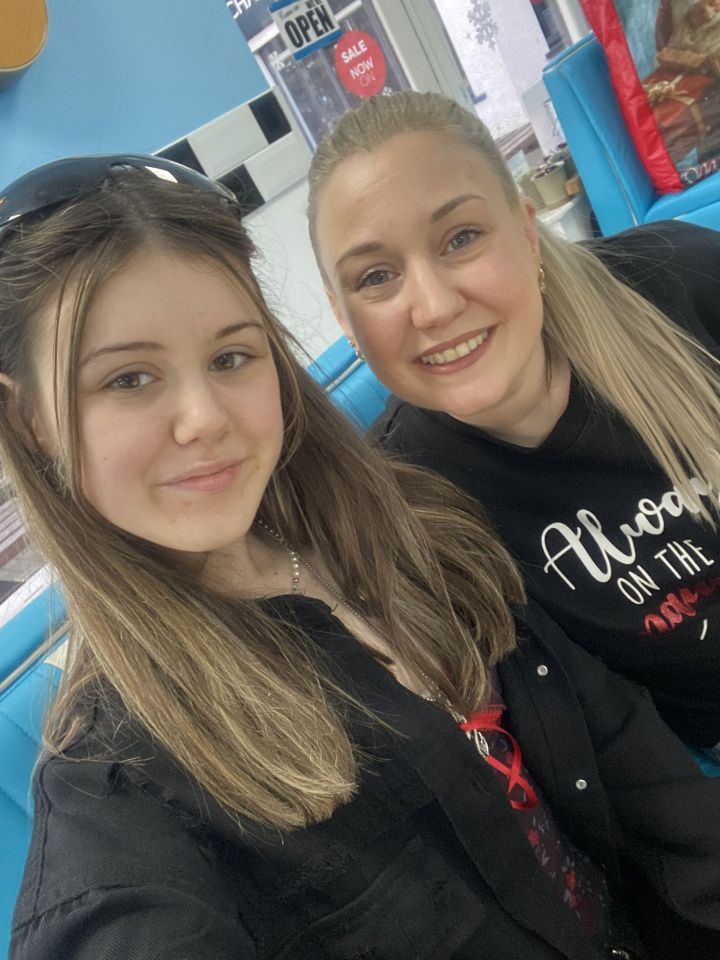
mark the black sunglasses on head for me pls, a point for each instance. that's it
(55, 183)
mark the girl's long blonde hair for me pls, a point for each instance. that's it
(235, 696)
(622, 348)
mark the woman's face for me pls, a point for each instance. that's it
(179, 413)
(435, 274)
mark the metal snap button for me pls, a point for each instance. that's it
(581, 784)
(542, 670)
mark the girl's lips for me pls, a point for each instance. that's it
(453, 366)
(209, 482)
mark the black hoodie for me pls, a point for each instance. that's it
(604, 542)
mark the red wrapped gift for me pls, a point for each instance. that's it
(686, 108)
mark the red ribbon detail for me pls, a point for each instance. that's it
(487, 720)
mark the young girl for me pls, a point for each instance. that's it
(275, 635)
(543, 378)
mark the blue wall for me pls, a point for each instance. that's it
(124, 75)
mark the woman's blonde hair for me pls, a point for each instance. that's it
(233, 694)
(604, 328)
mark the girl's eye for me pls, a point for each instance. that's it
(232, 360)
(462, 239)
(374, 278)
(130, 381)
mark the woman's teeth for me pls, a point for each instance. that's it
(459, 350)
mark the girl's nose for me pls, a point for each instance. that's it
(200, 413)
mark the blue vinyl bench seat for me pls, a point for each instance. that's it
(350, 382)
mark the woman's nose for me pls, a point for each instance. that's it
(200, 413)
(435, 298)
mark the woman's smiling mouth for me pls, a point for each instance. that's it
(456, 355)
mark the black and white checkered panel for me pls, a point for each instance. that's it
(253, 149)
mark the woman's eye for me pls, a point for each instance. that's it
(462, 239)
(232, 360)
(374, 278)
(130, 381)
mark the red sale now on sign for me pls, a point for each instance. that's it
(360, 63)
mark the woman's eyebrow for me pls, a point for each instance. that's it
(151, 345)
(358, 251)
(450, 205)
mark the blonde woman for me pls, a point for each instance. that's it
(572, 390)
(299, 719)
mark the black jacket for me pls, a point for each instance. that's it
(590, 517)
(427, 861)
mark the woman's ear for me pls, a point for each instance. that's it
(32, 436)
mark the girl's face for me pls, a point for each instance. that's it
(435, 274)
(179, 414)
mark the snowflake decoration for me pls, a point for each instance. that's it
(481, 18)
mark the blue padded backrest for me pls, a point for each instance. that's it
(617, 184)
(22, 706)
(350, 383)
(27, 686)
(333, 363)
(28, 629)
(698, 204)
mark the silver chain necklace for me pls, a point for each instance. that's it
(296, 559)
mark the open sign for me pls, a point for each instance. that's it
(305, 25)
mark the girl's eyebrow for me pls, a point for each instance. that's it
(151, 345)
(118, 348)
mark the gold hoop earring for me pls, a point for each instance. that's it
(358, 353)
(541, 277)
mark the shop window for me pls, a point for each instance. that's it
(312, 85)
